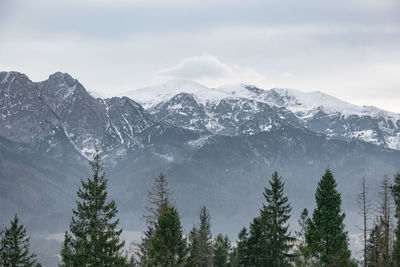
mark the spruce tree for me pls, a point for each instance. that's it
(158, 197)
(277, 241)
(145, 246)
(222, 247)
(234, 258)
(68, 257)
(93, 239)
(193, 246)
(168, 246)
(242, 248)
(373, 245)
(395, 188)
(254, 249)
(200, 246)
(14, 246)
(325, 235)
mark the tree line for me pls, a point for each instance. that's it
(93, 238)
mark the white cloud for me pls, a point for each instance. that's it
(198, 67)
(209, 70)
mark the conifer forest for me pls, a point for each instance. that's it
(93, 238)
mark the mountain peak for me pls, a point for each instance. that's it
(182, 83)
(151, 96)
(64, 77)
(10, 76)
(305, 102)
(63, 85)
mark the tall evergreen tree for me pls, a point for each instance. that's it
(158, 197)
(325, 235)
(168, 247)
(67, 253)
(242, 248)
(277, 241)
(269, 242)
(222, 247)
(396, 195)
(200, 246)
(145, 246)
(234, 258)
(94, 238)
(193, 246)
(254, 249)
(14, 246)
(373, 245)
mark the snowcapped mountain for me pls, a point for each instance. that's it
(218, 147)
(40, 112)
(60, 107)
(148, 97)
(316, 111)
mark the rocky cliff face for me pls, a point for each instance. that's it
(33, 112)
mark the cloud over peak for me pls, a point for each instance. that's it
(198, 67)
(210, 70)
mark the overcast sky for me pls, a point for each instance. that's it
(349, 49)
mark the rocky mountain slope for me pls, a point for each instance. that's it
(315, 111)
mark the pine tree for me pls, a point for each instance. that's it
(200, 241)
(395, 188)
(222, 247)
(193, 246)
(234, 258)
(277, 241)
(325, 235)
(68, 257)
(373, 245)
(145, 246)
(254, 248)
(168, 246)
(14, 246)
(94, 238)
(242, 248)
(158, 197)
(132, 262)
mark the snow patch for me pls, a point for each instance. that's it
(198, 143)
(265, 128)
(165, 156)
(151, 96)
(393, 142)
(365, 135)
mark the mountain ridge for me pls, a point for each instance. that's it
(222, 110)
(217, 153)
(350, 121)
